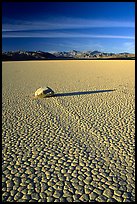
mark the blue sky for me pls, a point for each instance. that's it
(64, 26)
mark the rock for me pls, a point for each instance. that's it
(44, 92)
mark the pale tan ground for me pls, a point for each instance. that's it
(75, 146)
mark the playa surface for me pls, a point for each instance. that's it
(76, 146)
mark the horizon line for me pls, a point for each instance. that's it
(67, 51)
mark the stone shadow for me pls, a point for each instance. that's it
(80, 93)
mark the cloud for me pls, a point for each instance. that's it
(63, 23)
(55, 34)
(53, 28)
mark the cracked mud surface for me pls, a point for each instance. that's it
(72, 147)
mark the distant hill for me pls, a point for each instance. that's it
(94, 55)
(40, 55)
(21, 56)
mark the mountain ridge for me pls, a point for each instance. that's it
(74, 54)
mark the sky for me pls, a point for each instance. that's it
(65, 26)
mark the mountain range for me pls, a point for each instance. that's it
(40, 55)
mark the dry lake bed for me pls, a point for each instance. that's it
(76, 146)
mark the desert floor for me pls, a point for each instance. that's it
(76, 146)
